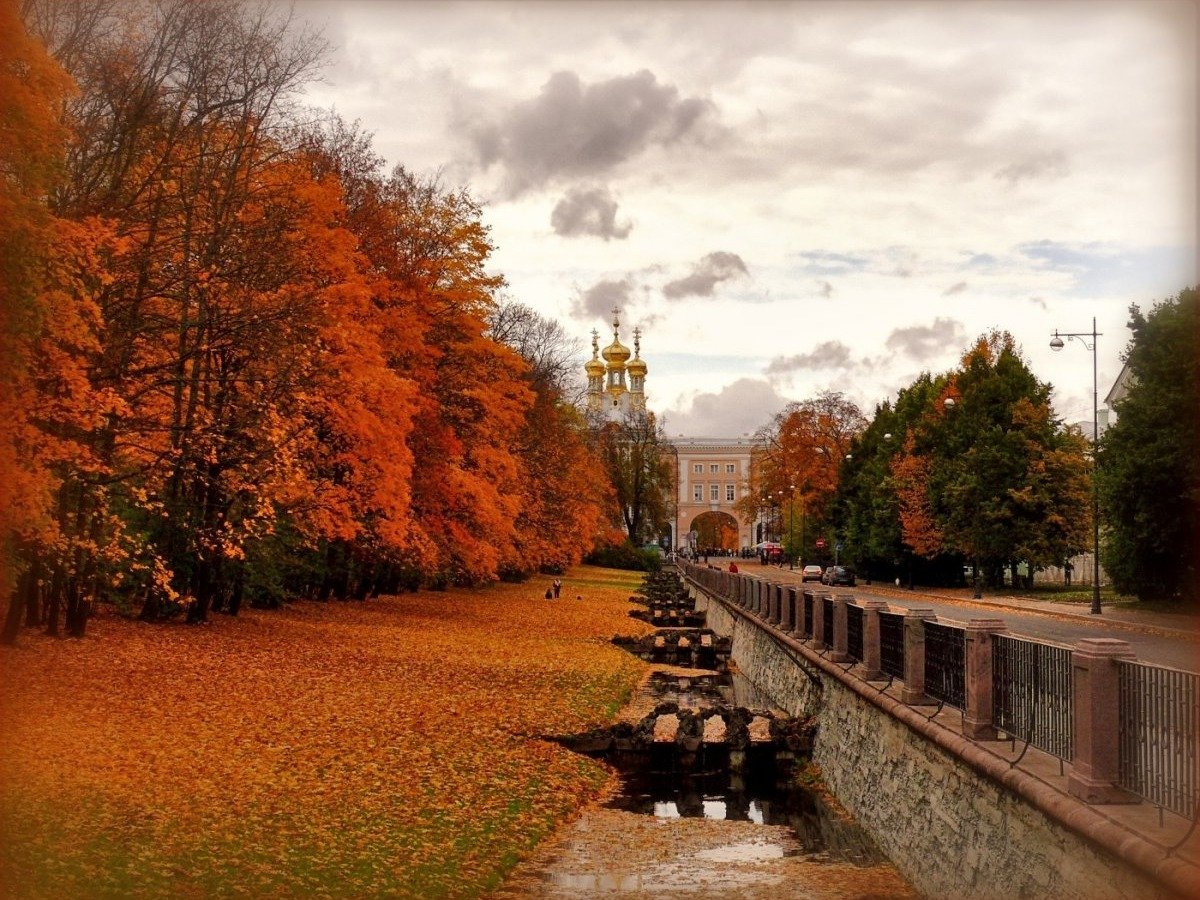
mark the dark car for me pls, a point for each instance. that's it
(836, 575)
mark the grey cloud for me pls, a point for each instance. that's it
(737, 409)
(707, 274)
(584, 211)
(600, 298)
(828, 355)
(1038, 301)
(957, 288)
(927, 341)
(573, 129)
(1048, 164)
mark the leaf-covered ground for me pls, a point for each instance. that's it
(339, 749)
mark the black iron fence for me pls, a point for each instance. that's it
(854, 631)
(1032, 693)
(827, 619)
(808, 615)
(1158, 719)
(945, 663)
(891, 644)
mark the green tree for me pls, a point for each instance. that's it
(637, 460)
(1149, 464)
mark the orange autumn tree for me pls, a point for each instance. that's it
(796, 462)
(49, 324)
(263, 369)
(562, 499)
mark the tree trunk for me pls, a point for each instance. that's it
(32, 594)
(239, 584)
(12, 622)
(77, 610)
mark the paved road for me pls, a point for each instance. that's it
(1176, 645)
(1151, 645)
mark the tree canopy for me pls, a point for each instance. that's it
(1150, 457)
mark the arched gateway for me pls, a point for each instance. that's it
(715, 530)
(711, 476)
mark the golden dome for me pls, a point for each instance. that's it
(593, 367)
(616, 354)
(637, 365)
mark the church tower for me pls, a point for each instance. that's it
(608, 393)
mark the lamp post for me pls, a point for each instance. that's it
(791, 527)
(1056, 344)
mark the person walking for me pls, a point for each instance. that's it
(557, 588)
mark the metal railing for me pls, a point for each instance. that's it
(827, 619)
(1032, 693)
(1157, 756)
(891, 644)
(945, 663)
(808, 615)
(854, 631)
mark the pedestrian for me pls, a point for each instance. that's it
(733, 569)
(557, 588)
(549, 593)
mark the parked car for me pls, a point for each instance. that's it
(811, 573)
(836, 575)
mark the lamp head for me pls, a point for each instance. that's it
(1056, 343)
(948, 403)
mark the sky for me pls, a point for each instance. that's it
(789, 198)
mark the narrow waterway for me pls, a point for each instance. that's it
(691, 824)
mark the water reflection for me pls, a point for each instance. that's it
(724, 796)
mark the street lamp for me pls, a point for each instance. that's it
(1056, 344)
(791, 527)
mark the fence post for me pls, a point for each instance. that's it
(914, 656)
(776, 594)
(820, 638)
(871, 647)
(841, 636)
(977, 680)
(1094, 767)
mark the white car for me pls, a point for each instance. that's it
(811, 573)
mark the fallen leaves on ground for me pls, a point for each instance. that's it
(326, 749)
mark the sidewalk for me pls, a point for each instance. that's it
(1179, 625)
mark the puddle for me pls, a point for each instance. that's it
(759, 796)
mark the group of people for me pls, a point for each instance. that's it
(554, 590)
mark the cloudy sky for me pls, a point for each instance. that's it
(792, 197)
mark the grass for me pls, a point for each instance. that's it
(324, 750)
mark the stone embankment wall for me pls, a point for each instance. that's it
(951, 829)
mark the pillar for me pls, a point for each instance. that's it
(841, 639)
(1093, 777)
(821, 640)
(977, 717)
(871, 652)
(788, 619)
(775, 592)
(914, 655)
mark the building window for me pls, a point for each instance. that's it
(698, 468)
(729, 492)
(730, 468)
(698, 493)
(714, 492)
(714, 468)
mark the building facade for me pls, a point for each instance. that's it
(712, 474)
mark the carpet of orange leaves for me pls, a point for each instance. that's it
(323, 750)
